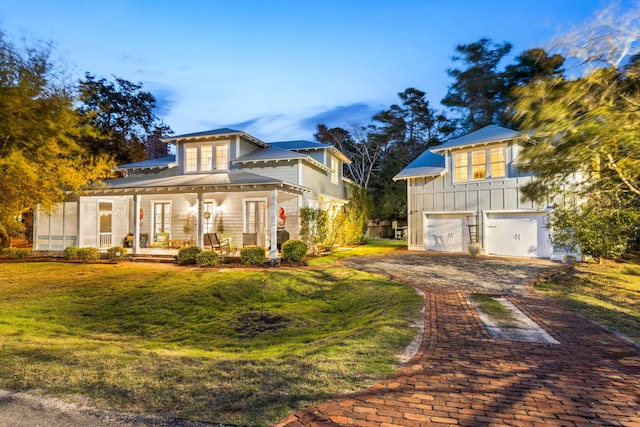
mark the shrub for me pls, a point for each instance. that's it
(252, 255)
(208, 259)
(187, 255)
(15, 253)
(294, 250)
(116, 252)
(70, 252)
(88, 254)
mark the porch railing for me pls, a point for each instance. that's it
(105, 240)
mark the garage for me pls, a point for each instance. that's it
(446, 232)
(518, 234)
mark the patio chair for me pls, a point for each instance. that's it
(214, 241)
(249, 239)
(161, 240)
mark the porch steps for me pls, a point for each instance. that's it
(166, 259)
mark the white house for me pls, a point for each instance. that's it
(254, 188)
(469, 190)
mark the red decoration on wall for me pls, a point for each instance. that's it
(282, 217)
(141, 214)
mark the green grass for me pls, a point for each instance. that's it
(373, 247)
(608, 294)
(235, 347)
(491, 307)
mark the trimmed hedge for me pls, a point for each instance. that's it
(188, 255)
(208, 259)
(294, 250)
(15, 253)
(252, 255)
(83, 254)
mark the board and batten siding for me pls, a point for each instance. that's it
(442, 194)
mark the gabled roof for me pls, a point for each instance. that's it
(302, 145)
(426, 164)
(212, 133)
(487, 134)
(274, 154)
(159, 163)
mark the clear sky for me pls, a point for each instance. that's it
(276, 69)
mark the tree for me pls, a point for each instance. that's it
(124, 115)
(405, 130)
(589, 127)
(478, 90)
(40, 154)
(361, 145)
(482, 93)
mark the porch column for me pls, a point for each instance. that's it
(273, 215)
(200, 222)
(136, 224)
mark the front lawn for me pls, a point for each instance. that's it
(373, 247)
(235, 347)
(607, 293)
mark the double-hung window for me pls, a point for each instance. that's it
(206, 157)
(473, 165)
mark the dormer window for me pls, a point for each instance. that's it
(206, 157)
(486, 163)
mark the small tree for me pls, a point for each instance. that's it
(313, 227)
(356, 216)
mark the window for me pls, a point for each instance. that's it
(206, 157)
(460, 166)
(498, 163)
(161, 217)
(222, 157)
(334, 170)
(479, 164)
(191, 159)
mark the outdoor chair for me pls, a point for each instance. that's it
(214, 241)
(249, 239)
(161, 240)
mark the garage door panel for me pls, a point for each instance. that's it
(514, 235)
(446, 234)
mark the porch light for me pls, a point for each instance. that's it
(192, 210)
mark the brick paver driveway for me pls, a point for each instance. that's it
(462, 376)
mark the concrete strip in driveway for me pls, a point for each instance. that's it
(462, 376)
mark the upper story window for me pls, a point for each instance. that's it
(485, 163)
(206, 157)
(334, 170)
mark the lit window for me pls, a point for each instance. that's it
(222, 157)
(498, 164)
(461, 166)
(191, 159)
(206, 158)
(479, 164)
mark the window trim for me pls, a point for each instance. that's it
(201, 166)
(468, 158)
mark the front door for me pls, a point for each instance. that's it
(105, 221)
(256, 219)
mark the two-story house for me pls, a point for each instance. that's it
(469, 190)
(217, 180)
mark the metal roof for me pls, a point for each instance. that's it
(214, 132)
(426, 164)
(274, 154)
(302, 145)
(162, 162)
(487, 134)
(229, 181)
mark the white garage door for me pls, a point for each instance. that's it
(446, 233)
(519, 235)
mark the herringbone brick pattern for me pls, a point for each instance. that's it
(462, 376)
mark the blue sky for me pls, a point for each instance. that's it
(276, 69)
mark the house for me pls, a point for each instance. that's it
(222, 180)
(468, 190)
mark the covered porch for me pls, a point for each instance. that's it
(159, 219)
